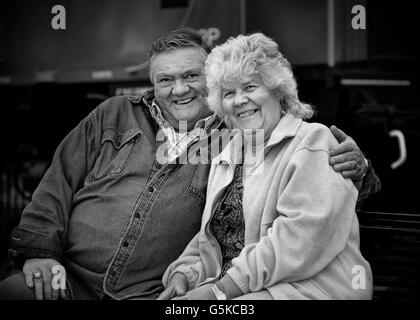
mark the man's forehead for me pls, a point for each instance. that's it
(179, 61)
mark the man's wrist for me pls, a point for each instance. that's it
(364, 173)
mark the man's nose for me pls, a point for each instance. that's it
(180, 87)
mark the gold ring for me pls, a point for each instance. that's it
(37, 275)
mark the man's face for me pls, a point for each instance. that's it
(179, 85)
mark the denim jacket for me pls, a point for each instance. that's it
(107, 210)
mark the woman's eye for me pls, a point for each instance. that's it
(227, 94)
(250, 87)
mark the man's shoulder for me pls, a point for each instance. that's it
(120, 103)
(122, 112)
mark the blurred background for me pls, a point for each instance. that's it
(364, 80)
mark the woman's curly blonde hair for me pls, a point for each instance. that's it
(243, 56)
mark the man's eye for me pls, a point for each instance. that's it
(192, 76)
(163, 80)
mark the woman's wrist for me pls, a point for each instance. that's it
(229, 287)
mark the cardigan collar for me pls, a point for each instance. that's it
(286, 128)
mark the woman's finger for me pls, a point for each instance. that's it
(184, 297)
(166, 294)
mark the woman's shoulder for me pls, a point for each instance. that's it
(314, 135)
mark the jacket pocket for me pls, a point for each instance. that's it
(116, 149)
(198, 184)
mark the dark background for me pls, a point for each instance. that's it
(51, 79)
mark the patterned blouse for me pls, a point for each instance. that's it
(227, 224)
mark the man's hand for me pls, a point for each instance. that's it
(177, 287)
(347, 158)
(200, 293)
(38, 274)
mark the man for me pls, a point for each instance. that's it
(108, 209)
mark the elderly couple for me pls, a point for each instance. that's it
(126, 225)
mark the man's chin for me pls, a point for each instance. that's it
(190, 116)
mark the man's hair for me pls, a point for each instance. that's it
(177, 39)
(244, 56)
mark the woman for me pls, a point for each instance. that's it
(281, 224)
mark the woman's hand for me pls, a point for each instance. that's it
(38, 275)
(226, 285)
(200, 293)
(177, 286)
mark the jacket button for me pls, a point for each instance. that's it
(151, 189)
(137, 215)
(125, 243)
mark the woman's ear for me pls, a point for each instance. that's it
(283, 105)
(279, 96)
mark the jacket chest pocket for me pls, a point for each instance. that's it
(197, 186)
(115, 155)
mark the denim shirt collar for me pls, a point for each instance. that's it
(207, 124)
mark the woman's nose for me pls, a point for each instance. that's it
(240, 99)
(179, 87)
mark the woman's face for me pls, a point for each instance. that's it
(251, 105)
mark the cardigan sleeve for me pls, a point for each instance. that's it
(315, 211)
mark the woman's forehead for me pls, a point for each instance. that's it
(240, 80)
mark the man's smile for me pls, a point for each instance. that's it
(184, 101)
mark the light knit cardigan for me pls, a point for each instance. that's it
(301, 229)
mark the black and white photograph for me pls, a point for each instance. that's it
(240, 150)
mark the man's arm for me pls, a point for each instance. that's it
(37, 242)
(42, 230)
(349, 160)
